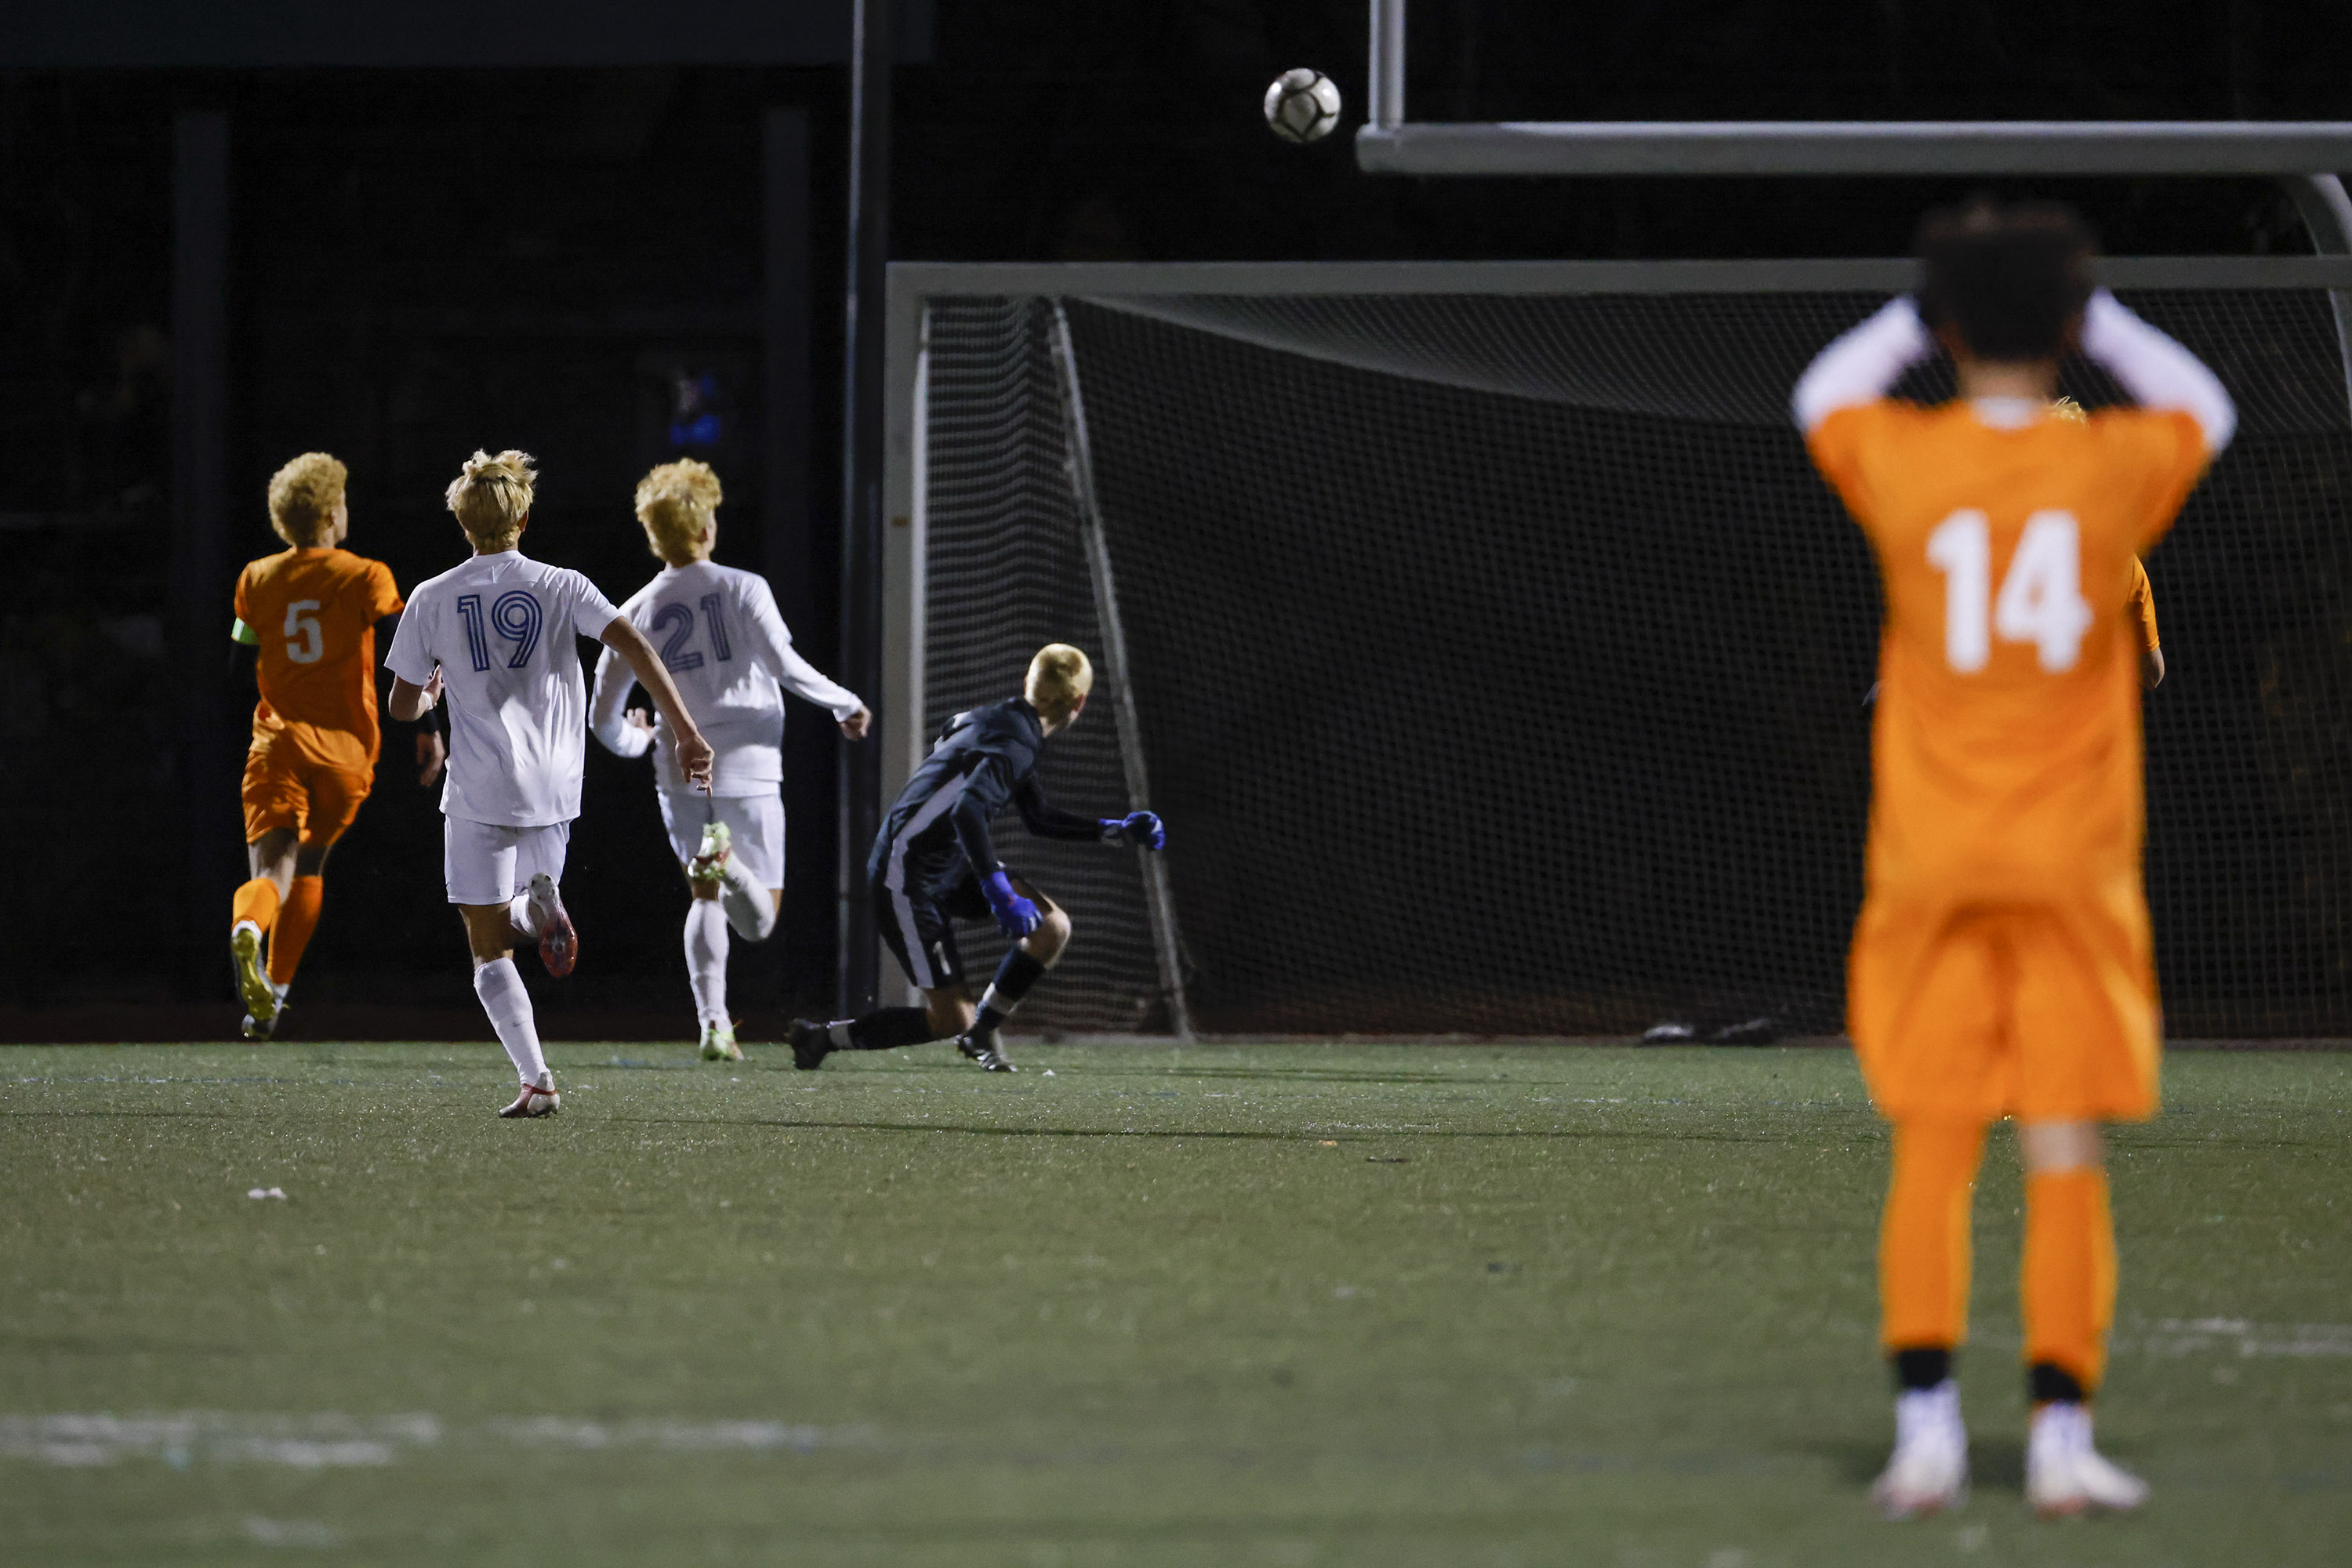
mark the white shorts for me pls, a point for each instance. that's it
(485, 864)
(757, 822)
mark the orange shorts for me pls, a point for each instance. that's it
(304, 780)
(2047, 1012)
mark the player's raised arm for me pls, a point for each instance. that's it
(2156, 370)
(1862, 364)
(797, 675)
(694, 753)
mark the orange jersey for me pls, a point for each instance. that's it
(2139, 603)
(315, 613)
(2006, 752)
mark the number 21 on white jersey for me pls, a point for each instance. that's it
(2040, 600)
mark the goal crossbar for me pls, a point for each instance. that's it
(1895, 148)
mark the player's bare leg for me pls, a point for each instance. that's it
(1025, 964)
(490, 932)
(254, 914)
(2068, 1290)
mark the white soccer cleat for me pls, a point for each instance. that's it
(1929, 1470)
(559, 944)
(261, 998)
(536, 1099)
(719, 1042)
(709, 862)
(2065, 1475)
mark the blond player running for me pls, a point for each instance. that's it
(2002, 963)
(721, 639)
(495, 635)
(308, 615)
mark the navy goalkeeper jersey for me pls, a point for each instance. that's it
(986, 759)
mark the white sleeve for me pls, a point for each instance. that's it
(408, 656)
(774, 649)
(1862, 365)
(2156, 370)
(592, 614)
(614, 679)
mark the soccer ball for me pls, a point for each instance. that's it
(1302, 105)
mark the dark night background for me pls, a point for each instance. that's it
(425, 261)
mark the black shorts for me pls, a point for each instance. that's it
(919, 920)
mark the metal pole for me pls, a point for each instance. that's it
(1384, 83)
(871, 54)
(807, 952)
(200, 556)
(2327, 214)
(1160, 897)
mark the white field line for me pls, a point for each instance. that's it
(336, 1441)
(2243, 1337)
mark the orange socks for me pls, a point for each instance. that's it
(296, 922)
(2069, 1284)
(255, 901)
(1923, 1238)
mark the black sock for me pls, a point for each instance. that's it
(1922, 1367)
(885, 1029)
(2047, 1383)
(1019, 971)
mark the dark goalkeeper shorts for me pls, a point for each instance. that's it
(918, 920)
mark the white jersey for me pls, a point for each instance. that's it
(719, 634)
(500, 628)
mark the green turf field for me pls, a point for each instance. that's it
(1284, 1304)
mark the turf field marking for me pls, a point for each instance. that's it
(334, 1441)
(2188, 1336)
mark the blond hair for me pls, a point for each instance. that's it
(302, 497)
(1059, 679)
(675, 503)
(2066, 408)
(491, 497)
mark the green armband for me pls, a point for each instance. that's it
(239, 631)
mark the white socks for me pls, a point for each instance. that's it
(751, 908)
(500, 985)
(706, 958)
(519, 917)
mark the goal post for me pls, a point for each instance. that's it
(1498, 660)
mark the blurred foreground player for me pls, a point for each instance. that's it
(934, 863)
(2139, 598)
(496, 634)
(2002, 962)
(731, 656)
(307, 614)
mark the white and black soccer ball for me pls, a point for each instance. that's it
(1302, 105)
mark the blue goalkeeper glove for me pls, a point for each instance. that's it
(1016, 917)
(1141, 827)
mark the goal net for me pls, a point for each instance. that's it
(1500, 664)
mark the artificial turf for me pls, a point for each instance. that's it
(1224, 1304)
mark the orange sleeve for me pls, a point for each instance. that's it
(243, 614)
(2169, 450)
(383, 596)
(1836, 446)
(2141, 606)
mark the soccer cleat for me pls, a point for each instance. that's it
(2065, 1475)
(709, 862)
(719, 1042)
(1929, 1470)
(253, 986)
(267, 1028)
(536, 1099)
(559, 944)
(812, 1043)
(983, 1050)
